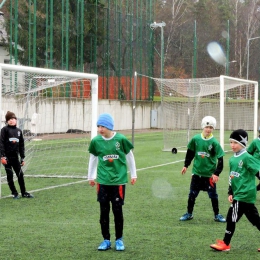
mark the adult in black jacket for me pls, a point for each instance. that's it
(12, 154)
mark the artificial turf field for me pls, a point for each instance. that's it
(62, 221)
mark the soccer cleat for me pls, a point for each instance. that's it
(219, 218)
(220, 246)
(105, 245)
(120, 245)
(186, 216)
(16, 196)
(27, 195)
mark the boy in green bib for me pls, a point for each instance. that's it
(242, 192)
(110, 154)
(208, 164)
(254, 149)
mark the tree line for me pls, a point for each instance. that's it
(192, 24)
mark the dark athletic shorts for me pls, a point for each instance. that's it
(113, 193)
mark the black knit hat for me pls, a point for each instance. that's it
(240, 136)
(9, 115)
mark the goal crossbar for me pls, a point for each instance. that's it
(184, 102)
(93, 77)
(222, 100)
(57, 113)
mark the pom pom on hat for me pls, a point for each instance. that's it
(9, 115)
(106, 120)
(240, 136)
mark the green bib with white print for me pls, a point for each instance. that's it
(243, 169)
(111, 153)
(207, 151)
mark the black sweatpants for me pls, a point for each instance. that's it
(13, 163)
(235, 212)
(199, 183)
(114, 194)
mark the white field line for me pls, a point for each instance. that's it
(51, 187)
(159, 165)
(76, 182)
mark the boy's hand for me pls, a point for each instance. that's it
(215, 178)
(230, 198)
(22, 162)
(91, 183)
(133, 181)
(184, 169)
(3, 160)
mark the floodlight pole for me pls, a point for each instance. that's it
(227, 65)
(227, 73)
(3, 2)
(154, 26)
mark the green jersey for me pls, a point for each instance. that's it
(207, 151)
(254, 148)
(111, 153)
(243, 168)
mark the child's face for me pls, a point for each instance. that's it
(104, 131)
(235, 146)
(207, 131)
(12, 122)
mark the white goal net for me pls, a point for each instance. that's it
(232, 101)
(57, 112)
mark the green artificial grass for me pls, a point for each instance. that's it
(62, 222)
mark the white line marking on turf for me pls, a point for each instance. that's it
(159, 165)
(72, 183)
(52, 187)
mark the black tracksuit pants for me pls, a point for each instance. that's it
(13, 163)
(115, 195)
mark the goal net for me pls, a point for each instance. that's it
(57, 112)
(184, 102)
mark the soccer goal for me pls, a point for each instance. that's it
(184, 102)
(57, 112)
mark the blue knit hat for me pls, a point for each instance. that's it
(106, 120)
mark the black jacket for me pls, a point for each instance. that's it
(12, 142)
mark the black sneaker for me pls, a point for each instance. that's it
(27, 195)
(16, 196)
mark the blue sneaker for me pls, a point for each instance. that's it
(219, 218)
(16, 196)
(186, 216)
(120, 245)
(105, 245)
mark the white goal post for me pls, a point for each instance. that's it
(57, 112)
(253, 99)
(184, 102)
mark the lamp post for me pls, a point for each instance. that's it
(227, 66)
(154, 26)
(227, 73)
(247, 67)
